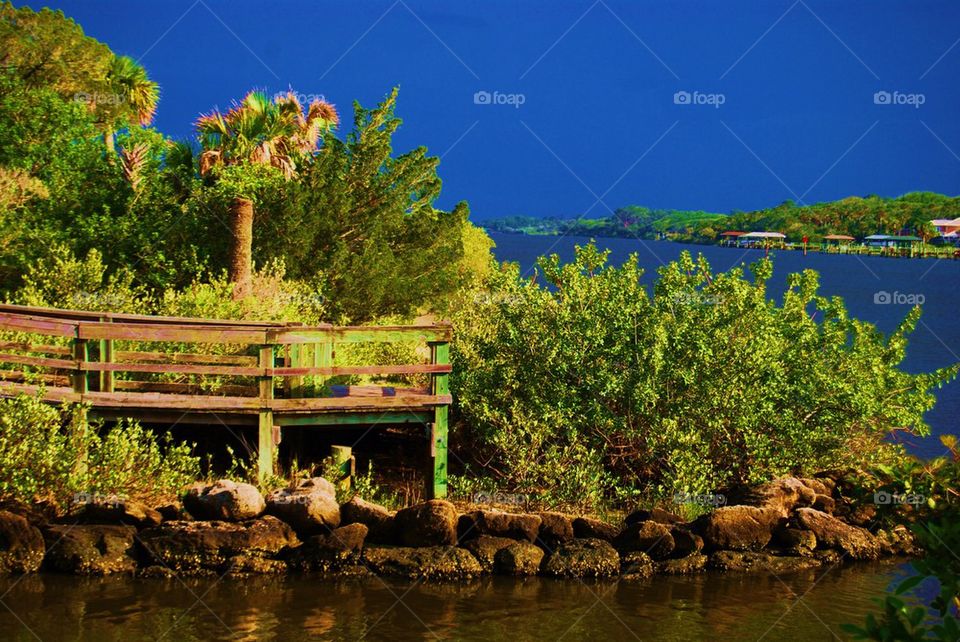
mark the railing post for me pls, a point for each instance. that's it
(265, 441)
(106, 356)
(346, 464)
(81, 353)
(440, 385)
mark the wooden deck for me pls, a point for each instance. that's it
(274, 376)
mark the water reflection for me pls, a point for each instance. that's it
(740, 607)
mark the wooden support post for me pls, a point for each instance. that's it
(322, 358)
(347, 465)
(106, 356)
(81, 352)
(265, 442)
(437, 475)
(294, 385)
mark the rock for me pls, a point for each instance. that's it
(342, 546)
(311, 507)
(378, 520)
(583, 558)
(648, 537)
(245, 565)
(485, 549)
(433, 562)
(37, 514)
(520, 558)
(555, 529)
(652, 515)
(115, 510)
(224, 500)
(818, 486)
(856, 542)
(90, 549)
(694, 563)
(156, 572)
(587, 528)
(685, 542)
(781, 495)
(898, 541)
(21, 544)
(190, 546)
(432, 523)
(756, 562)
(173, 512)
(499, 524)
(795, 541)
(862, 515)
(636, 565)
(737, 527)
(824, 504)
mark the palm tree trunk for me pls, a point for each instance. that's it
(241, 246)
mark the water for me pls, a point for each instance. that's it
(857, 279)
(702, 607)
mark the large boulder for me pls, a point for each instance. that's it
(343, 545)
(740, 528)
(759, 562)
(856, 542)
(91, 549)
(781, 495)
(795, 541)
(499, 524)
(432, 523)
(114, 510)
(685, 541)
(583, 558)
(652, 515)
(485, 549)
(190, 546)
(519, 558)
(555, 529)
(21, 544)
(693, 563)
(636, 565)
(378, 520)
(588, 528)
(432, 562)
(649, 537)
(225, 500)
(311, 507)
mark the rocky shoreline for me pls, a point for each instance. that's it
(230, 529)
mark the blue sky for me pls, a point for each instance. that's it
(589, 112)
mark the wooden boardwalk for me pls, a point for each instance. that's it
(187, 370)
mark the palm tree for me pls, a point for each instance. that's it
(131, 98)
(259, 131)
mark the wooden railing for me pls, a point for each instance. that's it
(161, 369)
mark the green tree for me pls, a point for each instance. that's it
(258, 131)
(131, 100)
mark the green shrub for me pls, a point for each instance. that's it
(54, 454)
(585, 384)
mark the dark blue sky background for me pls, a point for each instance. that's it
(598, 126)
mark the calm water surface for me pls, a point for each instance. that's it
(704, 607)
(857, 279)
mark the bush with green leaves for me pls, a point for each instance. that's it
(580, 384)
(53, 453)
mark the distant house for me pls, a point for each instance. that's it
(946, 226)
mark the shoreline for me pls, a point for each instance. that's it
(229, 529)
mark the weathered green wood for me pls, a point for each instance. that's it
(355, 418)
(346, 464)
(437, 480)
(106, 356)
(360, 334)
(265, 441)
(81, 353)
(294, 384)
